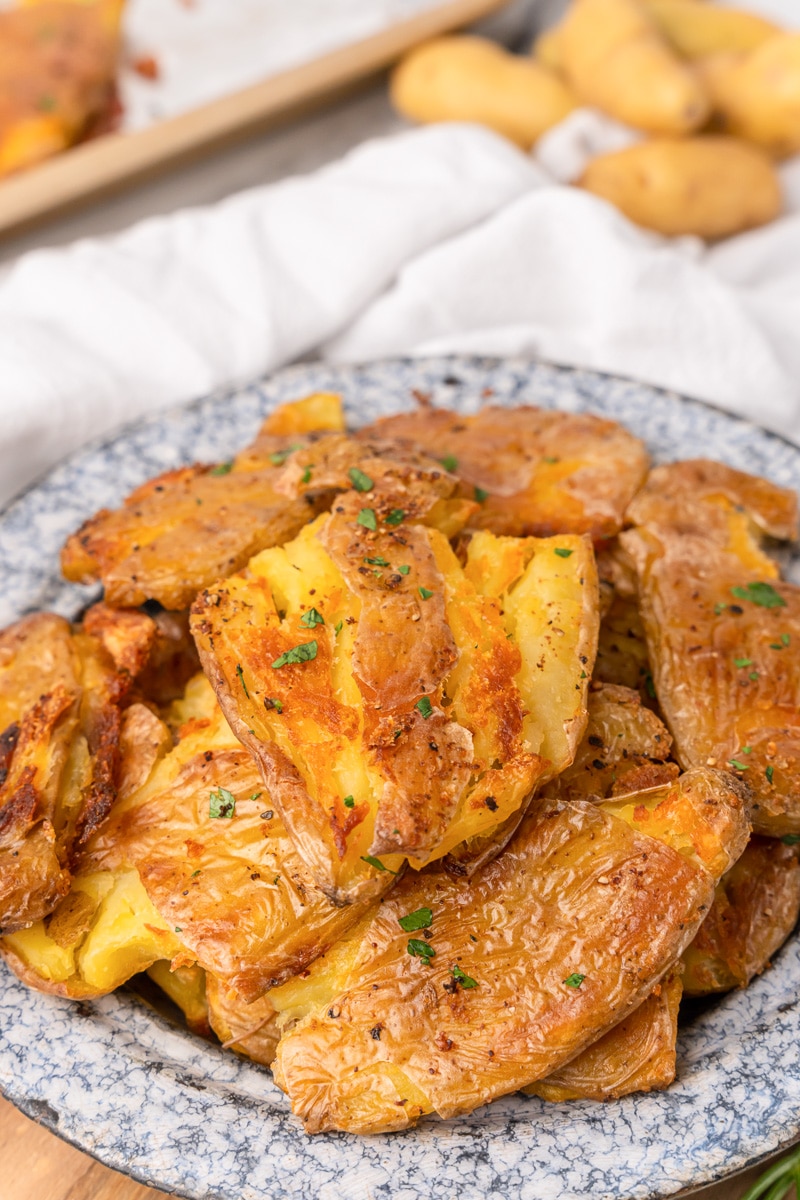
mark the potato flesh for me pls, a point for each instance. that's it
(186, 988)
(543, 472)
(755, 909)
(693, 544)
(185, 529)
(617, 907)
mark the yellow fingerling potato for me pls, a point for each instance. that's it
(695, 30)
(710, 187)
(472, 79)
(757, 95)
(616, 59)
(547, 49)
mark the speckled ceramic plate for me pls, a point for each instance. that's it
(145, 1097)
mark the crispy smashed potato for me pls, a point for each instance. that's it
(638, 1055)
(722, 629)
(533, 471)
(755, 908)
(186, 988)
(514, 973)
(191, 526)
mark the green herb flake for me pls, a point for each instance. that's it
(753, 676)
(770, 774)
(349, 802)
(404, 570)
(178, 929)
(424, 707)
(575, 980)
(562, 552)
(298, 654)
(421, 918)
(785, 639)
(280, 456)
(426, 593)
(776, 646)
(790, 839)
(449, 462)
(222, 803)
(194, 874)
(719, 609)
(367, 519)
(746, 750)
(737, 766)
(466, 981)
(650, 687)
(256, 795)
(312, 618)
(376, 863)
(46, 103)
(763, 594)
(396, 734)
(306, 476)
(377, 561)
(240, 673)
(742, 662)
(583, 673)
(481, 495)
(360, 481)
(273, 702)
(419, 949)
(338, 627)
(395, 517)
(549, 459)
(222, 468)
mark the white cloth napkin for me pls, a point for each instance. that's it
(443, 239)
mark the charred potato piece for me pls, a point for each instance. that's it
(397, 702)
(506, 977)
(61, 699)
(755, 909)
(625, 749)
(533, 471)
(185, 529)
(638, 1055)
(723, 632)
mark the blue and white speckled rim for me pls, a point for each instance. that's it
(146, 1098)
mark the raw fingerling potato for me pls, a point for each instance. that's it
(695, 30)
(616, 59)
(757, 95)
(472, 79)
(710, 187)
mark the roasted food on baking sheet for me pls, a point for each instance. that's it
(723, 631)
(62, 693)
(399, 702)
(58, 63)
(755, 908)
(533, 471)
(638, 1055)
(510, 974)
(191, 526)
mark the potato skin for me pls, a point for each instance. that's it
(755, 908)
(709, 187)
(473, 79)
(615, 59)
(696, 30)
(757, 95)
(576, 891)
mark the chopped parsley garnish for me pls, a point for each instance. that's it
(650, 687)
(280, 456)
(338, 626)
(395, 517)
(349, 802)
(222, 803)
(419, 949)
(549, 459)
(466, 981)
(753, 676)
(763, 594)
(769, 772)
(298, 654)
(743, 662)
(562, 552)
(719, 609)
(306, 476)
(776, 646)
(46, 103)
(424, 707)
(194, 874)
(367, 518)
(481, 495)
(746, 750)
(376, 863)
(790, 839)
(426, 593)
(377, 561)
(360, 481)
(272, 702)
(449, 462)
(575, 980)
(404, 570)
(256, 795)
(222, 468)
(240, 673)
(737, 766)
(785, 639)
(312, 618)
(422, 918)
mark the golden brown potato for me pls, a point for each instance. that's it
(186, 987)
(61, 699)
(625, 749)
(755, 908)
(249, 1029)
(622, 650)
(57, 77)
(638, 1055)
(398, 702)
(757, 95)
(616, 59)
(533, 471)
(473, 79)
(696, 30)
(723, 632)
(709, 187)
(191, 526)
(507, 976)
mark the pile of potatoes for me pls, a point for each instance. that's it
(715, 90)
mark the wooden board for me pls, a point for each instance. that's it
(95, 168)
